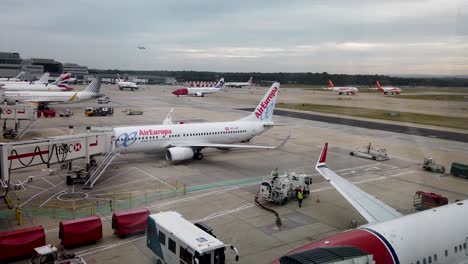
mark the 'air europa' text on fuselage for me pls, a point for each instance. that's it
(151, 132)
(264, 104)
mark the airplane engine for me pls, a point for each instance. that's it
(397, 92)
(179, 153)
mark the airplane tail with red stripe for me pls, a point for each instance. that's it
(330, 84)
(377, 84)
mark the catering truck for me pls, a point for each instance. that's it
(174, 240)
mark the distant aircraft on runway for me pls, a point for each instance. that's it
(186, 141)
(200, 91)
(437, 235)
(240, 84)
(342, 90)
(125, 84)
(42, 99)
(40, 85)
(388, 90)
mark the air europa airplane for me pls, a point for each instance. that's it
(186, 141)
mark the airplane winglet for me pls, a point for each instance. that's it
(168, 119)
(323, 157)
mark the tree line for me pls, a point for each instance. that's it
(305, 78)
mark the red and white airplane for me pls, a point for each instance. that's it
(438, 235)
(342, 90)
(200, 91)
(387, 90)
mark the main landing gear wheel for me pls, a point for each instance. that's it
(198, 156)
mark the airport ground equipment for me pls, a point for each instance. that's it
(370, 152)
(21, 242)
(134, 112)
(104, 100)
(281, 188)
(49, 113)
(54, 150)
(175, 240)
(80, 231)
(430, 165)
(15, 115)
(459, 170)
(130, 222)
(99, 111)
(48, 254)
(66, 113)
(425, 200)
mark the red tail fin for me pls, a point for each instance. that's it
(330, 84)
(378, 86)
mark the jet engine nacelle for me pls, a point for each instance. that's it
(199, 94)
(179, 153)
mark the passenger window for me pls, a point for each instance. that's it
(185, 256)
(162, 238)
(172, 246)
(464, 245)
(429, 259)
(446, 253)
(460, 247)
(435, 257)
(424, 259)
(455, 249)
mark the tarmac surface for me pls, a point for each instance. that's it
(220, 189)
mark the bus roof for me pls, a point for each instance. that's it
(187, 232)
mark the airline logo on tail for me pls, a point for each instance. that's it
(250, 81)
(378, 86)
(220, 84)
(330, 84)
(265, 109)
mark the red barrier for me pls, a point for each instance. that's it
(130, 222)
(21, 242)
(80, 231)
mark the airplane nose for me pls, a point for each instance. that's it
(181, 91)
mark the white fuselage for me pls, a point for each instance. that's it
(47, 97)
(391, 90)
(20, 86)
(160, 137)
(238, 84)
(129, 85)
(201, 90)
(345, 90)
(430, 233)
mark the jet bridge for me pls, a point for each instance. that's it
(15, 114)
(52, 150)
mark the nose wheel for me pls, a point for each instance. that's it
(198, 156)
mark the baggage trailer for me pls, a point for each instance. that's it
(370, 152)
(174, 240)
(459, 170)
(130, 222)
(20, 243)
(424, 200)
(80, 231)
(49, 254)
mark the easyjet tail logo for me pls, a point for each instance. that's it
(264, 105)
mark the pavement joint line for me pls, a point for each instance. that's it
(156, 178)
(52, 196)
(47, 181)
(37, 194)
(118, 174)
(119, 185)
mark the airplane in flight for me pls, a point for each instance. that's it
(342, 90)
(44, 98)
(182, 142)
(17, 78)
(387, 90)
(438, 235)
(40, 85)
(240, 84)
(200, 91)
(141, 47)
(125, 84)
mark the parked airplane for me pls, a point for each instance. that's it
(342, 90)
(18, 78)
(200, 91)
(44, 98)
(438, 235)
(240, 84)
(124, 84)
(387, 90)
(186, 141)
(41, 85)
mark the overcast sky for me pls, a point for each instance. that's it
(336, 36)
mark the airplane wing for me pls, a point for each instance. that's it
(215, 145)
(371, 208)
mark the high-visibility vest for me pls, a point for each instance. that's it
(299, 195)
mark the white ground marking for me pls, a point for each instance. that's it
(154, 177)
(119, 185)
(52, 196)
(118, 174)
(34, 186)
(47, 181)
(37, 194)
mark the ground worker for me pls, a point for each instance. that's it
(300, 197)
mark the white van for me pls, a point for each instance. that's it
(104, 100)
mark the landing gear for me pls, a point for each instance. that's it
(198, 156)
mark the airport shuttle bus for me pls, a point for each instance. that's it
(174, 240)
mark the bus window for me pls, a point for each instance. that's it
(204, 259)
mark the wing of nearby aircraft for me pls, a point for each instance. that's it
(371, 208)
(168, 119)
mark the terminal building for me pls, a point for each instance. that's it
(77, 71)
(10, 64)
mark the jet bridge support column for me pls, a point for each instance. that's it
(4, 171)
